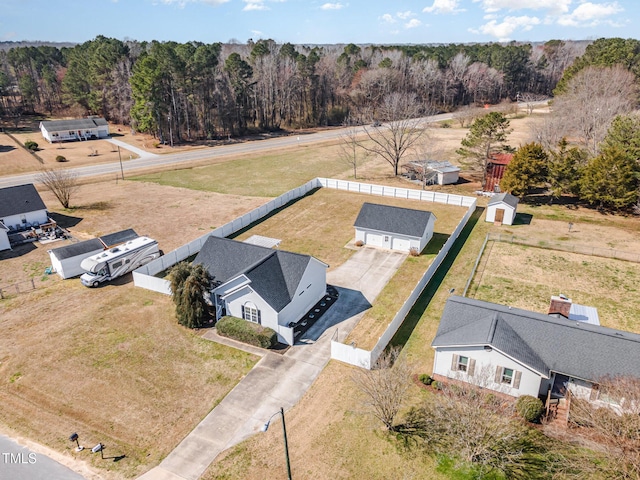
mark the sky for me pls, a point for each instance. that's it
(319, 21)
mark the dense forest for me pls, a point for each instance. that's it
(195, 91)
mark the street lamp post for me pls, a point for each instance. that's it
(265, 427)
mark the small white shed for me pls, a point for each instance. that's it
(394, 228)
(66, 260)
(501, 209)
(445, 172)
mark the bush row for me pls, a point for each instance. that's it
(247, 332)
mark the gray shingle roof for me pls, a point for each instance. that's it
(116, 238)
(506, 198)
(385, 218)
(20, 199)
(275, 274)
(74, 124)
(540, 341)
(79, 248)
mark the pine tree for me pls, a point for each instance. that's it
(564, 169)
(527, 169)
(610, 180)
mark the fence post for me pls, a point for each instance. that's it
(33, 285)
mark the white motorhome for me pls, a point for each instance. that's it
(118, 261)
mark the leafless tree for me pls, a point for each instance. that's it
(466, 115)
(385, 387)
(351, 150)
(594, 97)
(62, 182)
(403, 129)
(530, 100)
(615, 419)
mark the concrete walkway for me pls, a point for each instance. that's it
(138, 151)
(281, 380)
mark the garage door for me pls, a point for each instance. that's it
(401, 244)
(373, 239)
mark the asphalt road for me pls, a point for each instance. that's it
(20, 463)
(252, 147)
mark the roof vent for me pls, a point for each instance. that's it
(563, 296)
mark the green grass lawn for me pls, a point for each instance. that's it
(267, 175)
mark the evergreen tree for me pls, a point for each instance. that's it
(610, 180)
(189, 285)
(564, 169)
(527, 169)
(624, 134)
(487, 135)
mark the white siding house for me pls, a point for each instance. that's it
(271, 287)
(518, 352)
(394, 228)
(20, 209)
(77, 129)
(502, 208)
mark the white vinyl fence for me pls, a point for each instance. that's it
(145, 276)
(366, 359)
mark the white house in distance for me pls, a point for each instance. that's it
(66, 260)
(501, 209)
(271, 287)
(433, 172)
(518, 352)
(90, 128)
(395, 228)
(20, 208)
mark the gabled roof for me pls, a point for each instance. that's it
(541, 342)
(116, 238)
(76, 249)
(442, 167)
(388, 219)
(275, 275)
(20, 199)
(74, 124)
(504, 198)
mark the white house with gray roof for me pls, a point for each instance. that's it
(519, 352)
(77, 129)
(501, 209)
(20, 208)
(394, 228)
(271, 287)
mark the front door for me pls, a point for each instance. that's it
(560, 385)
(499, 216)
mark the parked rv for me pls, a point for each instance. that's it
(118, 261)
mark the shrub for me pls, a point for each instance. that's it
(247, 332)
(413, 251)
(425, 379)
(437, 385)
(445, 125)
(359, 243)
(60, 158)
(31, 145)
(530, 408)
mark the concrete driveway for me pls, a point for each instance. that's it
(281, 380)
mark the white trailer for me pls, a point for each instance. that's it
(118, 261)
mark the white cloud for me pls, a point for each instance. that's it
(405, 15)
(502, 31)
(444, 7)
(256, 33)
(332, 6)
(387, 18)
(254, 5)
(413, 23)
(590, 14)
(554, 7)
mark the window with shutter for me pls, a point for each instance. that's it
(516, 379)
(454, 362)
(472, 367)
(498, 374)
(595, 390)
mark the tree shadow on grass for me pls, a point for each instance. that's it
(414, 315)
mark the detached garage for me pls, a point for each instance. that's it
(394, 228)
(501, 209)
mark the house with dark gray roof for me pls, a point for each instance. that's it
(271, 287)
(394, 228)
(76, 129)
(66, 260)
(502, 208)
(20, 208)
(519, 352)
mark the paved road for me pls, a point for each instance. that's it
(281, 380)
(20, 463)
(151, 160)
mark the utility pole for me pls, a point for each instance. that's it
(120, 157)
